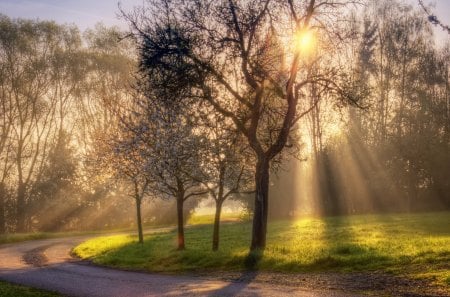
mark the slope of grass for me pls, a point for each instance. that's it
(10, 290)
(417, 244)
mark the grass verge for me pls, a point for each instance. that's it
(414, 244)
(19, 237)
(10, 290)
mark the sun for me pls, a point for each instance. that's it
(304, 41)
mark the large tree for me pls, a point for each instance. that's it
(249, 60)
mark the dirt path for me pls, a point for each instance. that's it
(46, 264)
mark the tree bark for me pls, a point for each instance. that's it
(215, 244)
(261, 204)
(180, 201)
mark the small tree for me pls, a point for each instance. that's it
(169, 147)
(227, 165)
(129, 166)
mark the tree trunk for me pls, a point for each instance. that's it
(20, 208)
(215, 244)
(261, 205)
(139, 219)
(180, 222)
(2, 208)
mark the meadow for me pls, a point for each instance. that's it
(415, 245)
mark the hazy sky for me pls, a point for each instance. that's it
(86, 13)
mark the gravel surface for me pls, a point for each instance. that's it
(371, 283)
(47, 264)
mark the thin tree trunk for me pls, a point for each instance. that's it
(180, 202)
(215, 245)
(2, 209)
(20, 208)
(261, 205)
(139, 219)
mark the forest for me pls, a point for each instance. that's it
(96, 125)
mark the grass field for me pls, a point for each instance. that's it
(209, 219)
(10, 290)
(417, 245)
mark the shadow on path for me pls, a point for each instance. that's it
(245, 278)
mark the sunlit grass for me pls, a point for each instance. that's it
(417, 245)
(10, 290)
(209, 218)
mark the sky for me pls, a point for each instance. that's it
(86, 13)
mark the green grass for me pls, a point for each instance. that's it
(417, 245)
(209, 219)
(19, 237)
(10, 290)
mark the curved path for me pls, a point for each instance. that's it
(47, 264)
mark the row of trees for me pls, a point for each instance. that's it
(162, 153)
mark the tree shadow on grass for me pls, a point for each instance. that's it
(345, 252)
(328, 244)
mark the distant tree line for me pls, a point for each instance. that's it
(57, 87)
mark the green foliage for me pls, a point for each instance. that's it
(10, 290)
(417, 245)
